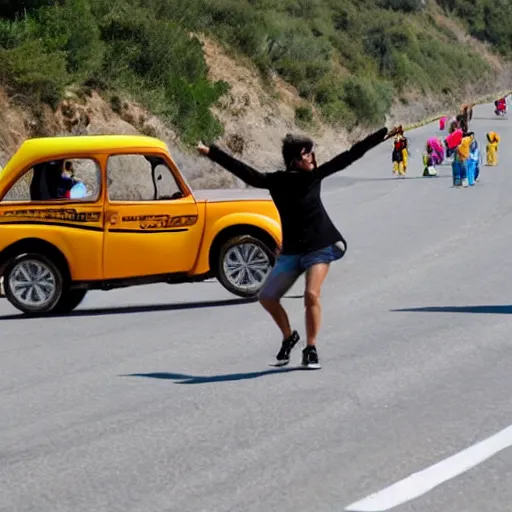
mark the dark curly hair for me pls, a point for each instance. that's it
(293, 146)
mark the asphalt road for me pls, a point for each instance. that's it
(159, 398)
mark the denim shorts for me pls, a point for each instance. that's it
(289, 267)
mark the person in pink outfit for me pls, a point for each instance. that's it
(437, 150)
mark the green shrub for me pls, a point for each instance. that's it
(487, 20)
(369, 100)
(403, 5)
(14, 8)
(303, 115)
(73, 29)
(30, 71)
(13, 33)
(159, 56)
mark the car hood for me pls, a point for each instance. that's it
(231, 194)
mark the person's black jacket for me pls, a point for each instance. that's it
(306, 225)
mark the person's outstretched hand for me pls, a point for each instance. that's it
(204, 150)
(396, 130)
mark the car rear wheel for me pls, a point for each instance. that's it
(33, 283)
(244, 264)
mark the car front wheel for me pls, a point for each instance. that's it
(33, 284)
(69, 300)
(244, 265)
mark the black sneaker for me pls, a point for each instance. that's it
(283, 357)
(310, 358)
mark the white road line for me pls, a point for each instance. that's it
(424, 481)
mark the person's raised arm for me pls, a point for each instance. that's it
(241, 170)
(348, 157)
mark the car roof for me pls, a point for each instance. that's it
(59, 147)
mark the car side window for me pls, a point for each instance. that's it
(140, 178)
(74, 179)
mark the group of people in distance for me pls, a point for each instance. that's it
(460, 144)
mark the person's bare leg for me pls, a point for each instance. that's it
(281, 279)
(278, 313)
(315, 277)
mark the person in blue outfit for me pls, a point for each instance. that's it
(310, 241)
(474, 161)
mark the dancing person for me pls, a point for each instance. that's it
(310, 240)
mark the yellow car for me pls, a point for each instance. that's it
(108, 211)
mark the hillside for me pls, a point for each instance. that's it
(242, 71)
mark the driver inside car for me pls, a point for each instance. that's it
(49, 182)
(70, 186)
(61, 182)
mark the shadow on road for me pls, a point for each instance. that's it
(123, 310)
(395, 178)
(495, 118)
(180, 378)
(147, 308)
(486, 310)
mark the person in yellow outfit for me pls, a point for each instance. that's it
(493, 140)
(400, 153)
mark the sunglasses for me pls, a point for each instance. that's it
(309, 154)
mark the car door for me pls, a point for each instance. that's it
(42, 204)
(150, 228)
